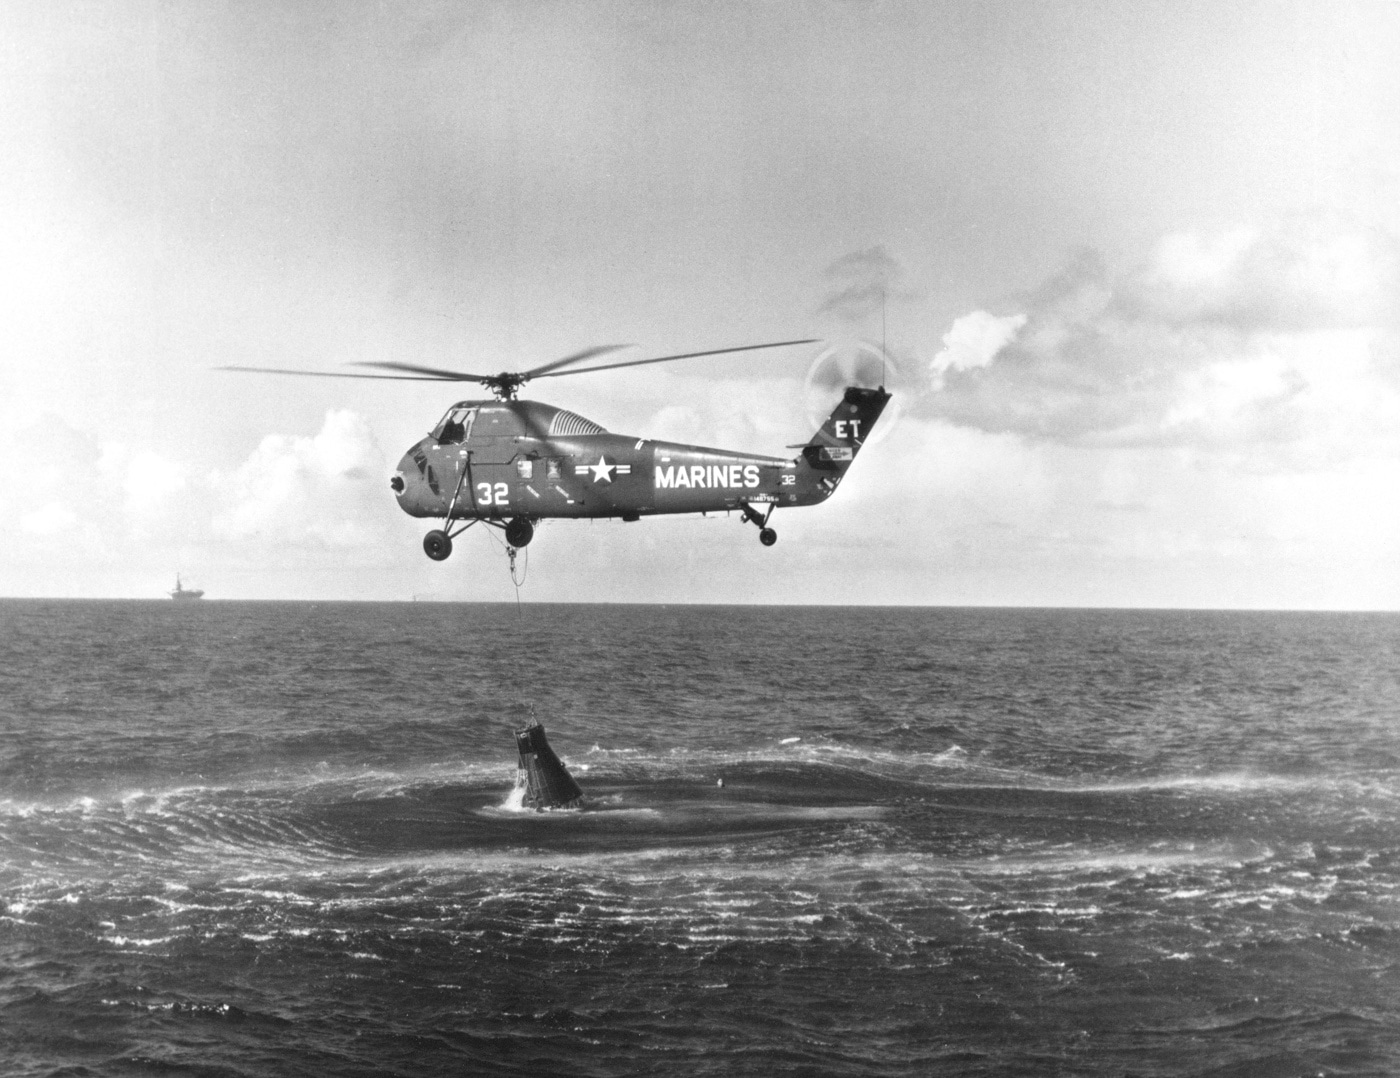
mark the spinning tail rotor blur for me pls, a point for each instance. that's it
(851, 363)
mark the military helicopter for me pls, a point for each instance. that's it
(508, 463)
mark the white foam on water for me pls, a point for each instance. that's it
(1228, 782)
(359, 783)
(758, 811)
(128, 941)
(1156, 858)
(515, 800)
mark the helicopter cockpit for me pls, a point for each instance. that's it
(456, 425)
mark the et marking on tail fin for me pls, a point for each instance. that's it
(846, 429)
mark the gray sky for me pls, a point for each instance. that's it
(1142, 262)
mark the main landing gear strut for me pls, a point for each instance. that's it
(437, 544)
(766, 535)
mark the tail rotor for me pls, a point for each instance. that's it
(851, 363)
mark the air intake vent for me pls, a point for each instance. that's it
(566, 424)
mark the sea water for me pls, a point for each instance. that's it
(276, 839)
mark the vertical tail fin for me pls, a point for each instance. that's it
(846, 429)
(833, 448)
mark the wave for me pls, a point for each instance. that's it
(950, 766)
(293, 805)
(790, 799)
(365, 781)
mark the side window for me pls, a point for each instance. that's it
(525, 469)
(551, 469)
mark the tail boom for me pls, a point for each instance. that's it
(697, 480)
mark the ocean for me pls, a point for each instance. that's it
(275, 839)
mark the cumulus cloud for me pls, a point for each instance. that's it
(145, 478)
(328, 490)
(1305, 273)
(974, 341)
(127, 488)
(1248, 337)
(75, 506)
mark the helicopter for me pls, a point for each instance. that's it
(509, 463)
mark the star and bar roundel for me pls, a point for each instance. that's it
(602, 472)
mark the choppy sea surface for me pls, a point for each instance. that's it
(274, 839)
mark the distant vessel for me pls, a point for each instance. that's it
(185, 593)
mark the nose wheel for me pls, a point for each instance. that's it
(766, 535)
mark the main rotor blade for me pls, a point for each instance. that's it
(338, 374)
(435, 373)
(577, 357)
(415, 373)
(668, 359)
(462, 376)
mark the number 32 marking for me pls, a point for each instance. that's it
(486, 494)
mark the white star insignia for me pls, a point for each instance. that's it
(602, 471)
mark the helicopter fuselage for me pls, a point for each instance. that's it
(500, 460)
(589, 475)
(600, 475)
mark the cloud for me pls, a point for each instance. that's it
(147, 479)
(1306, 273)
(82, 514)
(60, 473)
(1278, 337)
(329, 490)
(974, 341)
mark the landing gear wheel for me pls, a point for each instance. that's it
(767, 536)
(519, 532)
(437, 545)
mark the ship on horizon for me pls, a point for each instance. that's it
(182, 593)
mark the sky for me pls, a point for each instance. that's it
(1140, 269)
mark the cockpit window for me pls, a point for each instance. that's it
(456, 426)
